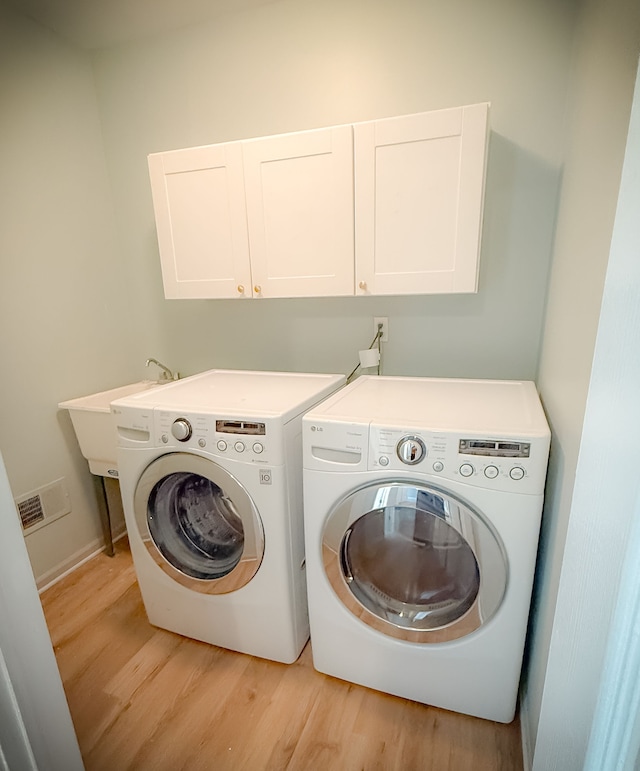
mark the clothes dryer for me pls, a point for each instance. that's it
(423, 500)
(211, 482)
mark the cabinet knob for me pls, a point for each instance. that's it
(257, 289)
(363, 285)
(240, 289)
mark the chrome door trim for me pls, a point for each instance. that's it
(478, 533)
(253, 551)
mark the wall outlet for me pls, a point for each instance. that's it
(385, 327)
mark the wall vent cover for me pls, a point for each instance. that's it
(44, 505)
(31, 511)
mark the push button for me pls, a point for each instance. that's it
(466, 470)
(491, 472)
(239, 446)
(221, 445)
(516, 473)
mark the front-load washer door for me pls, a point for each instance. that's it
(198, 523)
(414, 562)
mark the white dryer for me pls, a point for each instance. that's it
(211, 482)
(423, 500)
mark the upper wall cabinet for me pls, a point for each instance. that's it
(419, 184)
(199, 202)
(299, 195)
(384, 207)
(269, 217)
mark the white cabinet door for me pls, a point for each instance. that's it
(278, 216)
(299, 193)
(418, 201)
(198, 197)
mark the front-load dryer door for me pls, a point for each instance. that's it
(198, 523)
(414, 562)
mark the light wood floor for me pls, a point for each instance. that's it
(142, 698)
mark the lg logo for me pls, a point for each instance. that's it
(316, 428)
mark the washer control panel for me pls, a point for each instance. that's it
(492, 462)
(246, 441)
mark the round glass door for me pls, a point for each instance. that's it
(198, 523)
(414, 562)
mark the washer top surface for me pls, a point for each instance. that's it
(238, 391)
(505, 406)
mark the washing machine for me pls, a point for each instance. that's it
(423, 499)
(211, 481)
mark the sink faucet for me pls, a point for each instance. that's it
(166, 374)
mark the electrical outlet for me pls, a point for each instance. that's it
(385, 327)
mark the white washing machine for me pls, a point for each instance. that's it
(211, 482)
(423, 500)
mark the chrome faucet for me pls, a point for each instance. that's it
(165, 374)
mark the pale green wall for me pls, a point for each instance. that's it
(299, 64)
(67, 327)
(604, 70)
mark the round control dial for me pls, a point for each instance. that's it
(181, 429)
(411, 450)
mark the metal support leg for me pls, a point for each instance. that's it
(105, 515)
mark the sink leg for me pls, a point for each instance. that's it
(105, 515)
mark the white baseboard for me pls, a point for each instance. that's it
(91, 550)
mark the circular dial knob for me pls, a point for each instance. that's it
(181, 429)
(411, 450)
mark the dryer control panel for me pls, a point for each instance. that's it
(500, 463)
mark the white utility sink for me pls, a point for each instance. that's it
(94, 426)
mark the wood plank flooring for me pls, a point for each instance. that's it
(145, 699)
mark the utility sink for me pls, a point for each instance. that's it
(94, 426)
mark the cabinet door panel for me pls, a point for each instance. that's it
(198, 197)
(418, 206)
(299, 193)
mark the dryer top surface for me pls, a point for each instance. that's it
(239, 392)
(505, 406)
